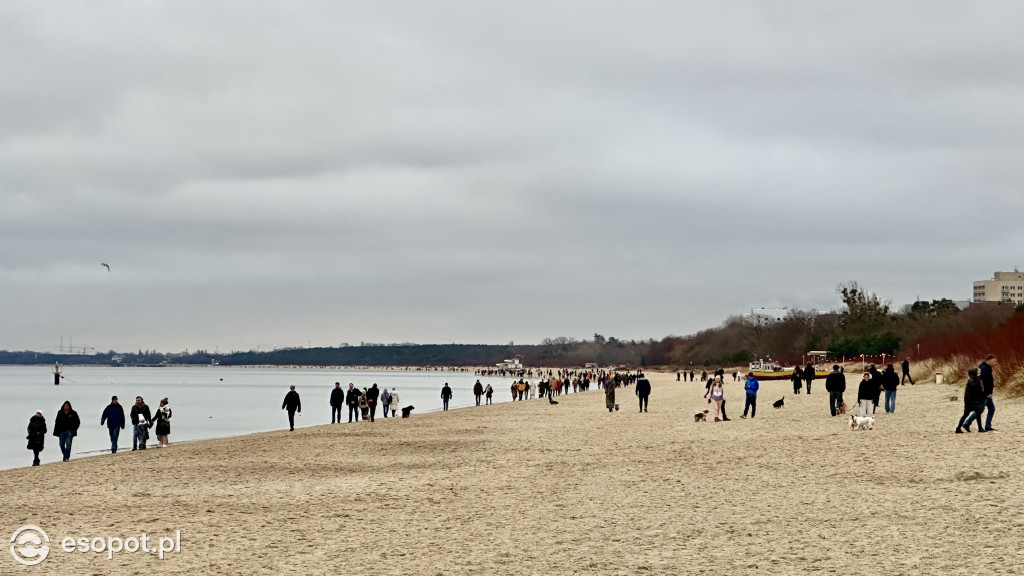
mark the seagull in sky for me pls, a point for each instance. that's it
(105, 265)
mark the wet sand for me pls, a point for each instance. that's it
(529, 488)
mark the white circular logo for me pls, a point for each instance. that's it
(30, 545)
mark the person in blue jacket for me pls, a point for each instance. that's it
(113, 417)
(751, 387)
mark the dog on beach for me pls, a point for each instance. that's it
(616, 407)
(861, 423)
(953, 398)
(701, 416)
(407, 410)
(779, 403)
(842, 409)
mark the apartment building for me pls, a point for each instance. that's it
(1004, 287)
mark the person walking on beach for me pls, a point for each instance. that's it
(798, 379)
(890, 382)
(809, 374)
(113, 417)
(385, 401)
(65, 428)
(140, 417)
(163, 424)
(364, 406)
(515, 390)
(609, 394)
(974, 399)
(394, 401)
(488, 393)
(905, 367)
(478, 391)
(56, 374)
(372, 395)
(352, 399)
(292, 404)
(36, 435)
(703, 375)
(446, 395)
(643, 392)
(835, 385)
(866, 394)
(750, 387)
(876, 378)
(716, 395)
(988, 385)
(337, 399)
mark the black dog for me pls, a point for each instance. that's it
(407, 410)
(779, 403)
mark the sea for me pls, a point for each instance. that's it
(207, 402)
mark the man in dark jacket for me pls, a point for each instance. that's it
(905, 366)
(478, 391)
(352, 400)
(372, 395)
(809, 375)
(113, 416)
(446, 395)
(835, 385)
(643, 391)
(292, 404)
(974, 397)
(337, 399)
(890, 382)
(140, 427)
(988, 385)
(876, 380)
(65, 428)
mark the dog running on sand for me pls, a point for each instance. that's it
(779, 403)
(407, 410)
(701, 416)
(861, 422)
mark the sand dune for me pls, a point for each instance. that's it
(529, 488)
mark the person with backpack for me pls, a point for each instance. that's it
(988, 385)
(65, 428)
(113, 417)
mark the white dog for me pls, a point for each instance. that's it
(859, 423)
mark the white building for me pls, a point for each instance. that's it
(1004, 287)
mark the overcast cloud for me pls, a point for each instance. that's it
(262, 174)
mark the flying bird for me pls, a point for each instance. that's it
(105, 265)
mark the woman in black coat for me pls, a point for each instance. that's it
(36, 435)
(797, 380)
(65, 428)
(974, 395)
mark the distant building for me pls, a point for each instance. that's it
(767, 315)
(1004, 287)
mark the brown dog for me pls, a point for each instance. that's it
(701, 416)
(842, 409)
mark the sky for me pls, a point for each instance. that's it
(278, 174)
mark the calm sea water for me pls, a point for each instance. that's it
(208, 402)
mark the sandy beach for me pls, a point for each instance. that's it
(531, 488)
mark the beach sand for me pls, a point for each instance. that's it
(529, 488)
